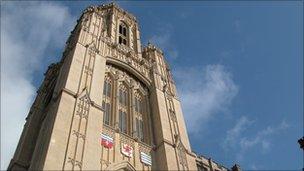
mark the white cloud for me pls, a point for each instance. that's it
(27, 29)
(262, 137)
(239, 140)
(234, 134)
(204, 92)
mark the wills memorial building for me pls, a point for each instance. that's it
(109, 104)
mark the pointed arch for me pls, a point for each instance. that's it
(124, 81)
(141, 90)
(122, 166)
(123, 33)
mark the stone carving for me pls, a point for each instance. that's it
(124, 139)
(125, 77)
(109, 131)
(75, 162)
(145, 148)
(182, 155)
(79, 135)
(105, 162)
(172, 115)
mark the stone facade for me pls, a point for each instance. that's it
(107, 84)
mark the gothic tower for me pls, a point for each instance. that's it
(109, 104)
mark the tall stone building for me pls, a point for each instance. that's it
(109, 104)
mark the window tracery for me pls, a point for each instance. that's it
(125, 104)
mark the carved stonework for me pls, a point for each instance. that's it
(79, 135)
(124, 139)
(145, 148)
(75, 162)
(109, 131)
(125, 77)
(182, 155)
(172, 115)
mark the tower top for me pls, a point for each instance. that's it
(110, 6)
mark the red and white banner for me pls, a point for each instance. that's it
(127, 150)
(106, 141)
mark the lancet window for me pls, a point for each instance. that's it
(123, 34)
(123, 108)
(139, 115)
(107, 100)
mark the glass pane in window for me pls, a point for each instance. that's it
(135, 101)
(107, 113)
(125, 98)
(137, 128)
(120, 40)
(104, 88)
(120, 29)
(139, 106)
(141, 135)
(124, 122)
(120, 120)
(120, 96)
(125, 31)
(109, 89)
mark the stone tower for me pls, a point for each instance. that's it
(109, 104)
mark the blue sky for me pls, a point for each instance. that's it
(238, 67)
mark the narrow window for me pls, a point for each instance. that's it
(109, 90)
(139, 116)
(123, 109)
(120, 29)
(141, 130)
(108, 111)
(120, 120)
(123, 121)
(137, 127)
(122, 34)
(120, 40)
(107, 100)
(120, 96)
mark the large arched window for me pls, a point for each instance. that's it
(126, 105)
(107, 100)
(123, 34)
(123, 108)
